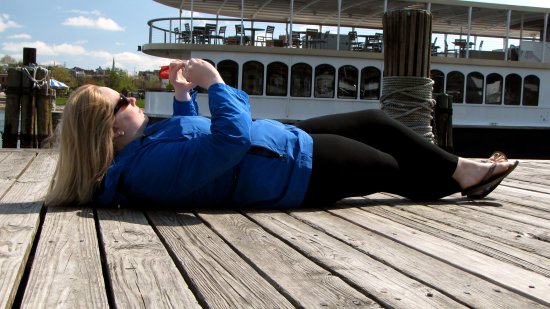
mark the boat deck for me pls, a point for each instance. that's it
(375, 251)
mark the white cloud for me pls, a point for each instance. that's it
(45, 49)
(22, 36)
(129, 61)
(99, 23)
(63, 53)
(6, 23)
(82, 12)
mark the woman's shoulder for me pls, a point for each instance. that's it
(178, 125)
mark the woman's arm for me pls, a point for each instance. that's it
(186, 108)
(184, 103)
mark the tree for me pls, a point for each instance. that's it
(5, 62)
(8, 60)
(62, 75)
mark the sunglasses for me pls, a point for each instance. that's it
(122, 102)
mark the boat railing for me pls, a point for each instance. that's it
(226, 31)
(229, 31)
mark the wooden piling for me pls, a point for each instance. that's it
(26, 136)
(407, 52)
(443, 121)
(407, 42)
(44, 126)
(28, 113)
(12, 110)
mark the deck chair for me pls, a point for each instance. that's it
(354, 44)
(240, 31)
(295, 40)
(221, 35)
(210, 33)
(267, 38)
(312, 35)
(182, 36)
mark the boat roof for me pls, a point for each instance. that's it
(449, 16)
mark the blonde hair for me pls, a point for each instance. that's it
(85, 147)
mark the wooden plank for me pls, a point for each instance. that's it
(495, 221)
(512, 238)
(12, 165)
(460, 285)
(504, 212)
(20, 209)
(495, 249)
(141, 272)
(308, 284)
(516, 279)
(66, 271)
(523, 204)
(388, 286)
(217, 274)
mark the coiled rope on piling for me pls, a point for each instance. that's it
(408, 99)
(41, 83)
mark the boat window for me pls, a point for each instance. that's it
(474, 88)
(277, 79)
(512, 89)
(531, 91)
(253, 78)
(493, 89)
(324, 81)
(347, 82)
(455, 86)
(439, 81)
(300, 77)
(370, 83)
(229, 71)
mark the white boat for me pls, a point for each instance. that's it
(498, 95)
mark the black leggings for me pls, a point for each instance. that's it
(365, 152)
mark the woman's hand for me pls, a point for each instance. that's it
(179, 82)
(200, 72)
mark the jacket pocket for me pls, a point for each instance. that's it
(266, 152)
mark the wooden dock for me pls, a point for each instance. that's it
(376, 251)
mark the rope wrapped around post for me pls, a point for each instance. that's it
(407, 88)
(408, 99)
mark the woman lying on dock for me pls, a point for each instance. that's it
(110, 154)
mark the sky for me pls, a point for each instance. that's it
(91, 33)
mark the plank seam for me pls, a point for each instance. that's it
(262, 274)
(104, 265)
(201, 299)
(30, 260)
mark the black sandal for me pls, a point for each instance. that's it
(488, 183)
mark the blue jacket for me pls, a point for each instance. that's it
(228, 160)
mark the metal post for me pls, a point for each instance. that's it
(469, 32)
(191, 23)
(170, 29)
(338, 36)
(544, 36)
(521, 33)
(289, 36)
(242, 21)
(507, 40)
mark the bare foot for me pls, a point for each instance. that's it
(469, 172)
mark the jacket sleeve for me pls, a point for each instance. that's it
(187, 165)
(186, 108)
